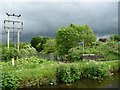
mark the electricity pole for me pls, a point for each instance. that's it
(18, 44)
(8, 41)
(9, 27)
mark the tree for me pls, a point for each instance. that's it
(69, 37)
(50, 46)
(37, 42)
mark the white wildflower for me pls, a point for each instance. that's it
(109, 66)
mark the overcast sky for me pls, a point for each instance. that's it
(45, 18)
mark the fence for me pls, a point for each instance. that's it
(50, 56)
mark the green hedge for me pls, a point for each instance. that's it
(93, 70)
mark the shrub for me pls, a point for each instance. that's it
(95, 70)
(75, 54)
(68, 73)
(108, 50)
(10, 81)
(31, 62)
(9, 54)
(75, 72)
(27, 51)
(63, 74)
(105, 51)
(92, 70)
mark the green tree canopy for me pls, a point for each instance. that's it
(50, 46)
(70, 36)
(37, 42)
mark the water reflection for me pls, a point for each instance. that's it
(108, 82)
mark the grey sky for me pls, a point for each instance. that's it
(45, 18)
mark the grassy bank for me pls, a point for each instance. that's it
(35, 72)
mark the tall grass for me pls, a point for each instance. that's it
(34, 72)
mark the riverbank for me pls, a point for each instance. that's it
(108, 82)
(35, 72)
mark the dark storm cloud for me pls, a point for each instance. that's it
(46, 18)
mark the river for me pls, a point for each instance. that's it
(108, 82)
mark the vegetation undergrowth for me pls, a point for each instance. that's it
(35, 72)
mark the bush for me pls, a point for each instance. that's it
(9, 54)
(105, 51)
(27, 63)
(92, 70)
(24, 52)
(10, 81)
(27, 51)
(75, 54)
(108, 50)
(68, 73)
(95, 70)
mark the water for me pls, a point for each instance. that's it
(108, 82)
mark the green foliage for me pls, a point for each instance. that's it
(9, 54)
(105, 51)
(114, 66)
(35, 72)
(27, 51)
(27, 63)
(10, 81)
(50, 46)
(115, 37)
(92, 69)
(108, 50)
(68, 37)
(68, 73)
(31, 71)
(75, 53)
(23, 45)
(95, 70)
(37, 42)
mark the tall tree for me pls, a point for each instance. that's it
(70, 36)
(37, 42)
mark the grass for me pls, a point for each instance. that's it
(36, 72)
(115, 66)
(29, 71)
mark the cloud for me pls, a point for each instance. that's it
(59, 0)
(45, 18)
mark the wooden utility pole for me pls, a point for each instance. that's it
(8, 37)
(9, 27)
(18, 44)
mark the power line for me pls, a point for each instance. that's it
(13, 32)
